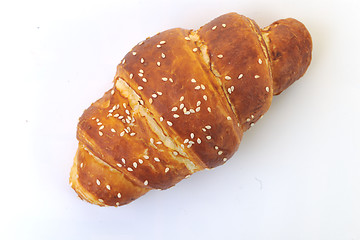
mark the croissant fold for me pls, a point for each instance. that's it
(181, 102)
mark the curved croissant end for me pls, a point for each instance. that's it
(180, 103)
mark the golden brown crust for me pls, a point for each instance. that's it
(180, 103)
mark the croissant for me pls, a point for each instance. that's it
(180, 103)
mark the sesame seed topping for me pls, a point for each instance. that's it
(198, 103)
(193, 80)
(187, 38)
(150, 100)
(140, 74)
(227, 78)
(192, 110)
(159, 142)
(119, 165)
(158, 46)
(216, 147)
(123, 61)
(142, 60)
(119, 195)
(195, 49)
(130, 169)
(220, 152)
(225, 159)
(267, 89)
(141, 161)
(162, 42)
(181, 98)
(240, 76)
(220, 56)
(99, 123)
(146, 182)
(164, 79)
(208, 127)
(100, 128)
(169, 123)
(174, 109)
(252, 124)
(209, 109)
(260, 61)
(131, 75)
(176, 116)
(257, 76)
(175, 153)
(97, 120)
(101, 133)
(202, 86)
(140, 88)
(98, 182)
(186, 141)
(161, 119)
(252, 116)
(228, 118)
(154, 95)
(122, 134)
(146, 156)
(156, 159)
(144, 79)
(135, 164)
(112, 92)
(229, 90)
(100, 200)
(208, 137)
(123, 160)
(163, 55)
(152, 140)
(170, 80)
(198, 140)
(182, 106)
(197, 87)
(224, 25)
(108, 187)
(248, 120)
(134, 53)
(140, 43)
(81, 165)
(158, 63)
(214, 27)
(132, 134)
(192, 135)
(167, 169)
(197, 109)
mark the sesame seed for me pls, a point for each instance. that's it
(186, 141)
(123, 160)
(220, 56)
(134, 53)
(159, 142)
(112, 92)
(252, 124)
(141, 161)
(197, 87)
(101, 133)
(169, 123)
(267, 89)
(195, 49)
(224, 25)
(135, 164)
(161, 119)
(252, 116)
(220, 152)
(150, 100)
(146, 182)
(202, 86)
(158, 63)
(140, 88)
(81, 165)
(257, 76)
(260, 61)
(119, 195)
(140, 43)
(142, 71)
(170, 80)
(182, 106)
(158, 46)
(97, 120)
(131, 75)
(116, 115)
(119, 165)
(122, 134)
(144, 79)
(175, 153)
(140, 74)
(99, 123)
(93, 118)
(100, 200)
(198, 140)
(154, 95)
(193, 80)
(108, 187)
(198, 103)
(181, 98)
(130, 169)
(142, 60)
(248, 120)
(205, 97)
(192, 135)
(214, 27)
(163, 55)
(228, 118)
(117, 204)
(229, 90)
(123, 61)
(192, 110)
(187, 38)
(162, 42)
(208, 127)
(208, 137)
(197, 109)
(132, 134)
(156, 159)
(232, 88)
(240, 76)
(146, 156)
(152, 140)
(227, 78)
(100, 128)
(225, 159)
(164, 79)
(174, 109)
(216, 147)
(98, 182)
(209, 109)
(176, 116)
(167, 169)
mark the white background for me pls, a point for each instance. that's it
(295, 176)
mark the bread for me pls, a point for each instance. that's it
(181, 102)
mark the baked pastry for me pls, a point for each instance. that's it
(181, 102)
